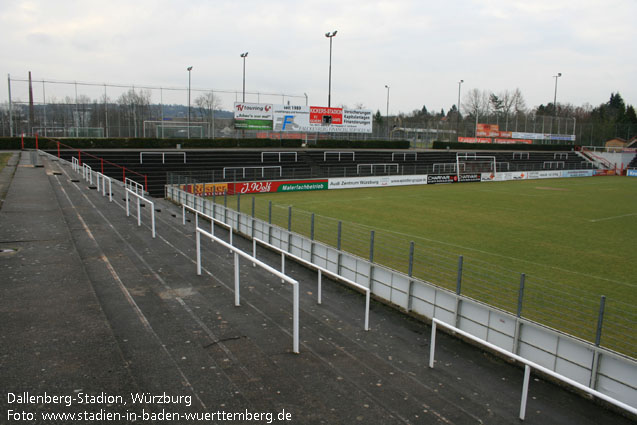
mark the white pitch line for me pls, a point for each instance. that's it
(612, 218)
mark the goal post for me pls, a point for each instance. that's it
(176, 129)
(471, 163)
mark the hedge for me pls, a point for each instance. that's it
(13, 143)
(360, 144)
(502, 146)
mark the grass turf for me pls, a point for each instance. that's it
(571, 237)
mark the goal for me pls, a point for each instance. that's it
(472, 163)
(176, 130)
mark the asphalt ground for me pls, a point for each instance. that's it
(94, 311)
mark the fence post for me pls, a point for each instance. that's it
(521, 294)
(600, 320)
(22, 140)
(458, 290)
(459, 280)
(518, 323)
(58, 144)
(269, 212)
(289, 228)
(338, 247)
(410, 273)
(371, 261)
(214, 201)
(312, 238)
(252, 232)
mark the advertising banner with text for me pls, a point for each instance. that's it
(631, 173)
(278, 186)
(205, 189)
(253, 116)
(301, 119)
(376, 181)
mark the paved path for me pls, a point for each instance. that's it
(91, 305)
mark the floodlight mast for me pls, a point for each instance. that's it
(189, 69)
(244, 56)
(330, 35)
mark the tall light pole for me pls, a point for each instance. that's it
(458, 116)
(387, 110)
(244, 56)
(189, 69)
(330, 35)
(559, 74)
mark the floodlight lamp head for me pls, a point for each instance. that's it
(330, 34)
(189, 68)
(243, 55)
(461, 81)
(559, 74)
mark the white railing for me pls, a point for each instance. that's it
(213, 220)
(133, 186)
(139, 215)
(243, 169)
(371, 167)
(321, 271)
(404, 154)
(237, 300)
(101, 177)
(528, 365)
(75, 164)
(339, 155)
(163, 155)
(87, 173)
(279, 154)
(521, 155)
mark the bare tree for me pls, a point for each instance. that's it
(208, 103)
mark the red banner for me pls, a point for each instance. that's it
(321, 115)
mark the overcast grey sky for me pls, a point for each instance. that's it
(421, 49)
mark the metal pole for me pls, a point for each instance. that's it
(459, 280)
(411, 258)
(312, 227)
(244, 55)
(525, 391)
(371, 247)
(189, 71)
(10, 107)
(236, 279)
(289, 218)
(559, 74)
(329, 90)
(600, 320)
(458, 116)
(338, 236)
(198, 254)
(387, 110)
(269, 212)
(521, 294)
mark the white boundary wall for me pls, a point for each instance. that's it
(598, 368)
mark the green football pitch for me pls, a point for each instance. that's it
(574, 239)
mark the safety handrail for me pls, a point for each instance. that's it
(527, 368)
(139, 215)
(213, 220)
(239, 253)
(321, 271)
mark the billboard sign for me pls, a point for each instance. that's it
(376, 181)
(632, 172)
(279, 186)
(316, 119)
(253, 116)
(577, 173)
(441, 178)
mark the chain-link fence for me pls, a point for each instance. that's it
(565, 306)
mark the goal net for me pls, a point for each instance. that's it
(176, 130)
(471, 163)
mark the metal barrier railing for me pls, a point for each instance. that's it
(213, 220)
(528, 365)
(321, 271)
(139, 215)
(237, 300)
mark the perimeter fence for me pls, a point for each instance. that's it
(565, 305)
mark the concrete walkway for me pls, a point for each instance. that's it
(95, 310)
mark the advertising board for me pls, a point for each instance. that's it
(468, 178)
(205, 189)
(253, 116)
(301, 118)
(376, 181)
(554, 174)
(632, 172)
(577, 173)
(441, 179)
(278, 186)
(474, 140)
